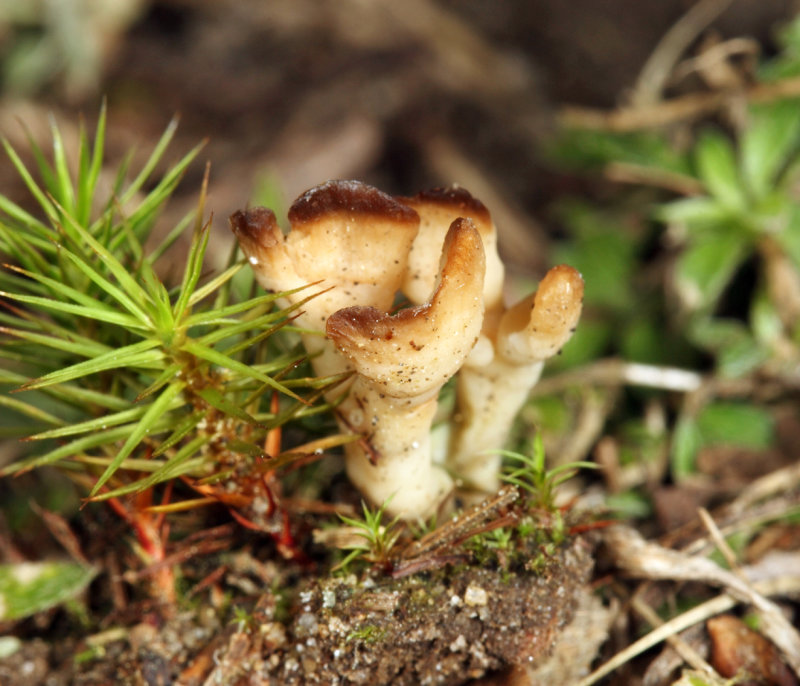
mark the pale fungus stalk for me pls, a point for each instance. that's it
(492, 388)
(440, 249)
(402, 361)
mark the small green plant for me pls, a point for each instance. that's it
(374, 540)
(533, 477)
(129, 384)
(722, 298)
(366, 634)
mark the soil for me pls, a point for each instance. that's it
(443, 627)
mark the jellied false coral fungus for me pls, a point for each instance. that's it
(439, 249)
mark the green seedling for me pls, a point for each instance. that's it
(376, 539)
(532, 476)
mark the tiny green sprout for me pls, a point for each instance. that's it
(243, 619)
(366, 634)
(376, 541)
(532, 476)
(499, 539)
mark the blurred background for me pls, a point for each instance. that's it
(290, 93)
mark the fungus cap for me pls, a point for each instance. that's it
(539, 326)
(417, 349)
(437, 208)
(345, 234)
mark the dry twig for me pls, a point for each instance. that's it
(640, 558)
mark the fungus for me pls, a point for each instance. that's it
(344, 234)
(402, 361)
(437, 209)
(491, 392)
(440, 248)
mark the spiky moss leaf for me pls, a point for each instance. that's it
(218, 400)
(178, 465)
(96, 312)
(30, 587)
(192, 270)
(222, 315)
(141, 354)
(152, 161)
(71, 449)
(147, 424)
(48, 207)
(130, 294)
(82, 347)
(58, 287)
(91, 425)
(89, 166)
(63, 191)
(29, 410)
(215, 357)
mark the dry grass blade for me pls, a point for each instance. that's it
(640, 558)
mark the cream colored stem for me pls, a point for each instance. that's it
(489, 398)
(393, 464)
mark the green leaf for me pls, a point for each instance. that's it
(717, 167)
(585, 148)
(30, 587)
(741, 357)
(738, 424)
(706, 266)
(768, 142)
(789, 238)
(696, 213)
(764, 318)
(603, 251)
(686, 441)
(736, 351)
